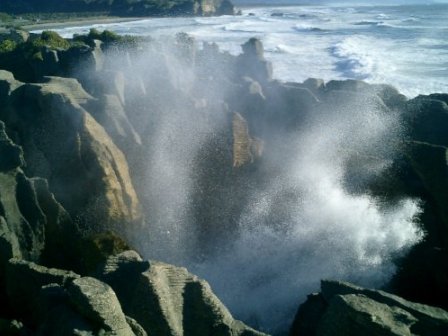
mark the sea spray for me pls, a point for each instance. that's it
(302, 214)
(305, 225)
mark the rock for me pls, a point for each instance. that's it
(11, 154)
(97, 302)
(13, 328)
(7, 85)
(315, 85)
(48, 65)
(16, 35)
(346, 309)
(251, 62)
(245, 148)
(390, 96)
(167, 300)
(353, 315)
(111, 115)
(226, 8)
(24, 281)
(137, 329)
(33, 225)
(427, 120)
(64, 144)
(57, 316)
(308, 315)
(21, 220)
(347, 85)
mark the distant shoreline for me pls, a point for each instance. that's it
(79, 22)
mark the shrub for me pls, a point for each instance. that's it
(7, 46)
(52, 40)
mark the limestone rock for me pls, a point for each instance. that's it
(252, 63)
(245, 148)
(112, 116)
(167, 300)
(357, 315)
(137, 329)
(16, 35)
(22, 221)
(32, 222)
(24, 281)
(63, 143)
(345, 309)
(97, 302)
(11, 154)
(7, 85)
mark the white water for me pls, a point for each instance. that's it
(405, 46)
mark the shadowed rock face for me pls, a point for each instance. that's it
(159, 299)
(345, 309)
(168, 300)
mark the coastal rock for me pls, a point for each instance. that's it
(16, 35)
(24, 281)
(13, 328)
(245, 148)
(167, 300)
(58, 302)
(111, 115)
(251, 62)
(7, 85)
(346, 309)
(63, 143)
(426, 176)
(97, 302)
(356, 314)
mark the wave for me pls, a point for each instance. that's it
(305, 27)
(410, 20)
(355, 57)
(366, 23)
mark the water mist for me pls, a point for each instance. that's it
(302, 224)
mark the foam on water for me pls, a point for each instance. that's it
(388, 51)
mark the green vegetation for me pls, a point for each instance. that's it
(52, 40)
(7, 46)
(25, 59)
(108, 37)
(6, 18)
(52, 8)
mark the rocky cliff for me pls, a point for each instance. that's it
(77, 119)
(122, 7)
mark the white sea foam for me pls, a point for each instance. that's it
(305, 226)
(385, 53)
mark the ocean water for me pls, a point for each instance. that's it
(406, 46)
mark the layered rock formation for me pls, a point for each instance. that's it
(345, 309)
(76, 119)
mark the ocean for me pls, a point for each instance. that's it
(405, 46)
